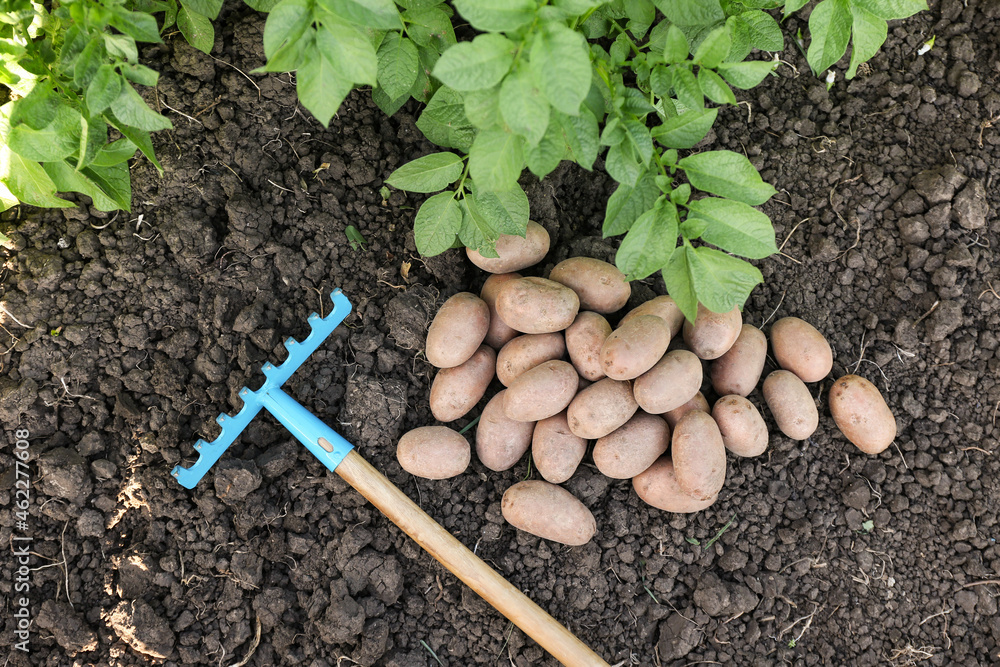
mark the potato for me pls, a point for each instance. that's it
(601, 408)
(635, 347)
(632, 447)
(433, 452)
(800, 348)
(861, 414)
(699, 455)
(712, 334)
(601, 287)
(525, 352)
(699, 402)
(541, 392)
(515, 252)
(672, 382)
(457, 330)
(657, 486)
(738, 370)
(555, 450)
(584, 339)
(548, 511)
(791, 404)
(663, 307)
(499, 333)
(501, 442)
(537, 305)
(456, 390)
(744, 432)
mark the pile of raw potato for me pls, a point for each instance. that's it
(635, 389)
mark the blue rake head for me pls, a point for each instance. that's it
(313, 433)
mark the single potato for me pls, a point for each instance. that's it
(515, 253)
(792, 405)
(537, 305)
(584, 339)
(635, 347)
(800, 348)
(699, 455)
(555, 450)
(744, 432)
(672, 382)
(525, 352)
(699, 402)
(499, 333)
(548, 511)
(861, 414)
(663, 307)
(712, 334)
(738, 370)
(601, 287)
(657, 486)
(458, 330)
(601, 408)
(456, 390)
(632, 447)
(541, 392)
(433, 452)
(501, 442)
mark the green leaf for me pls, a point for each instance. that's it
(397, 64)
(692, 228)
(496, 15)
(561, 64)
(68, 179)
(714, 48)
(261, 5)
(613, 132)
(430, 27)
(140, 74)
(638, 135)
(88, 63)
(648, 245)
(207, 8)
(37, 109)
(543, 158)
(792, 6)
(891, 9)
(581, 136)
(746, 75)
(496, 159)
(24, 179)
(476, 232)
(687, 129)
(830, 28)
(661, 81)
(131, 109)
(675, 49)
(348, 51)
(380, 14)
(868, 35)
(443, 120)
(139, 25)
(197, 29)
(686, 87)
(482, 107)
(640, 14)
(726, 174)
(321, 88)
(622, 164)
(691, 12)
(677, 276)
(57, 140)
(93, 134)
(74, 41)
(438, 221)
(138, 137)
(429, 173)
(285, 25)
(523, 108)
(388, 105)
(475, 65)
(714, 87)
(122, 46)
(114, 153)
(735, 227)
(762, 30)
(506, 211)
(627, 203)
(720, 281)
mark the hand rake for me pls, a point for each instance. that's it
(339, 456)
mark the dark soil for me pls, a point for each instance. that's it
(133, 332)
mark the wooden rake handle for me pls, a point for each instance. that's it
(465, 565)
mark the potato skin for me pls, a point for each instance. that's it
(555, 450)
(537, 305)
(457, 330)
(501, 442)
(456, 390)
(699, 402)
(800, 348)
(527, 351)
(632, 447)
(499, 333)
(541, 392)
(699, 455)
(635, 347)
(862, 414)
(601, 287)
(584, 339)
(516, 253)
(433, 452)
(663, 307)
(712, 334)
(738, 370)
(601, 408)
(744, 432)
(672, 382)
(791, 404)
(657, 486)
(548, 511)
